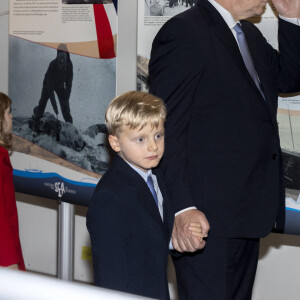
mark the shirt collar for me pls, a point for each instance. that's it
(227, 16)
(142, 173)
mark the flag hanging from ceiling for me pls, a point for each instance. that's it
(106, 28)
(115, 2)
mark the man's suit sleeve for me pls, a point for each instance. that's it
(285, 63)
(108, 241)
(289, 57)
(175, 69)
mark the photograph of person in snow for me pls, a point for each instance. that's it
(58, 80)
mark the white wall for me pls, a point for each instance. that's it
(4, 45)
(278, 272)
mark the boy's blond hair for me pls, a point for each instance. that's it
(134, 109)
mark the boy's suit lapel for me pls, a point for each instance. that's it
(146, 199)
(167, 208)
(144, 195)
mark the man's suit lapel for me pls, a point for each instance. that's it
(258, 63)
(225, 36)
(135, 180)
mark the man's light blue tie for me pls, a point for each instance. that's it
(247, 56)
(151, 187)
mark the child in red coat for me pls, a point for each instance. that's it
(10, 247)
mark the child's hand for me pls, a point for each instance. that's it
(196, 230)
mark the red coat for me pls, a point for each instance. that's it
(10, 246)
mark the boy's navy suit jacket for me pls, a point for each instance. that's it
(129, 240)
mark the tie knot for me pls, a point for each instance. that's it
(149, 180)
(150, 183)
(238, 28)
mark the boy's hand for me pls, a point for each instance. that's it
(196, 230)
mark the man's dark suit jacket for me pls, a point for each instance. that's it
(222, 144)
(129, 240)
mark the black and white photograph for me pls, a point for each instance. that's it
(142, 74)
(86, 1)
(170, 8)
(60, 101)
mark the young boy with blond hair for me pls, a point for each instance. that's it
(129, 216)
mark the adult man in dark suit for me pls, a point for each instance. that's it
(223, 159)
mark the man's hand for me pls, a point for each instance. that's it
(182, 238)
(288, 8)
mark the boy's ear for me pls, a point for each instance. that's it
(114, 143)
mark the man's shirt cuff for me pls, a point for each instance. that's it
(188, 208)
(171, 245)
